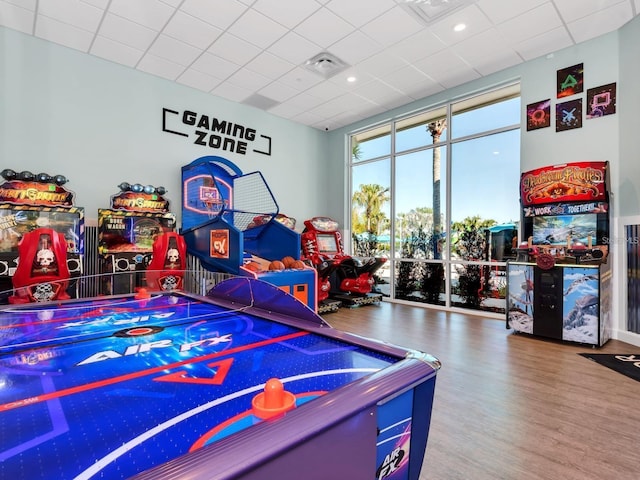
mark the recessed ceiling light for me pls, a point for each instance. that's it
(351, 79)
(459, 27)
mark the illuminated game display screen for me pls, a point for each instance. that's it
(15, 222)
(555, 230)
(124, 232)
(327, 243)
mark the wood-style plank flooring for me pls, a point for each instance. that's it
(511, 406)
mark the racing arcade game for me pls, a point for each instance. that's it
(341, 277)
(126, 235)
(41, 237)
(559, 287)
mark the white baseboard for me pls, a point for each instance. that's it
(627, 337)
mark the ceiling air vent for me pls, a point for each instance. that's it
(325, 64)
(429, 12)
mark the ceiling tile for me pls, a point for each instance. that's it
(381, 64)
(174, 50)
(408, 80)
(150, 13)
(420, 45)
(471, 16)
(287, 12)
(300, 79)
(378, 92)
(531, 24)
(278, 92)
(548, 42)
(294, 48)
(392, 26)
(232, 92)
(360, 12)
(115, 52)
(73, 12)
(315, 28)
(219, 14)
(270, 65)
(443, 65)
(327, 90)
(172, 3)
(191, 30)
(127, 32)
(594, 25)
(234, 49)
(215, 66)
(574, 9)
(195, 79)
(26, 4)
(474, 52)
(354, 48)
(257, 29)
(63, 33)
(102, 4)
(16, 18)
(499, 11)
(249, 79)
(160, 67)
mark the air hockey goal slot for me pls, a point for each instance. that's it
(273, 401)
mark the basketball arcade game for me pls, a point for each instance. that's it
(230, 222)
(560, 285)
(126, 235)
(179, 386)
(41, 229)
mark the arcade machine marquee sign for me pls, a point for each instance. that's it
(571, 182)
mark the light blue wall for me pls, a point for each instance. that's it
(629, 109)
(100, 124)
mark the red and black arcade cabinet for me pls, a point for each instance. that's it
(126, 235)
(350, 280)
(30, 202)
(42, 274)
(168, 263)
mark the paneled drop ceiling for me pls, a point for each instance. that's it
(293, 57)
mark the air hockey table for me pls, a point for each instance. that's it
(245, 382)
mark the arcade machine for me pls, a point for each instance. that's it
(349, 280)
(126, 234)
(559, 287)
(231, 224)
(168, 262)
(40, 202)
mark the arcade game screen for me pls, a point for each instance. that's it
(327, 243)
(119, 232)
(14, 223)
(555, 230)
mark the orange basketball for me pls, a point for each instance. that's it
(297, 265)
(288, 261)
(253, 266)
(276, 265)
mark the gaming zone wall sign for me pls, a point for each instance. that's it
(215, 133)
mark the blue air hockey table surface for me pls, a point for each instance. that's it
(161, 386)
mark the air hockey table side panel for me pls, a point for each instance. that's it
(336, 438)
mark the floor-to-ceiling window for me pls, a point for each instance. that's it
(436, 192)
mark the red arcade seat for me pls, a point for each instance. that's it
(166, 269)
(42, 274)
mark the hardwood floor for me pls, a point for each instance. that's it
(510, 406)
